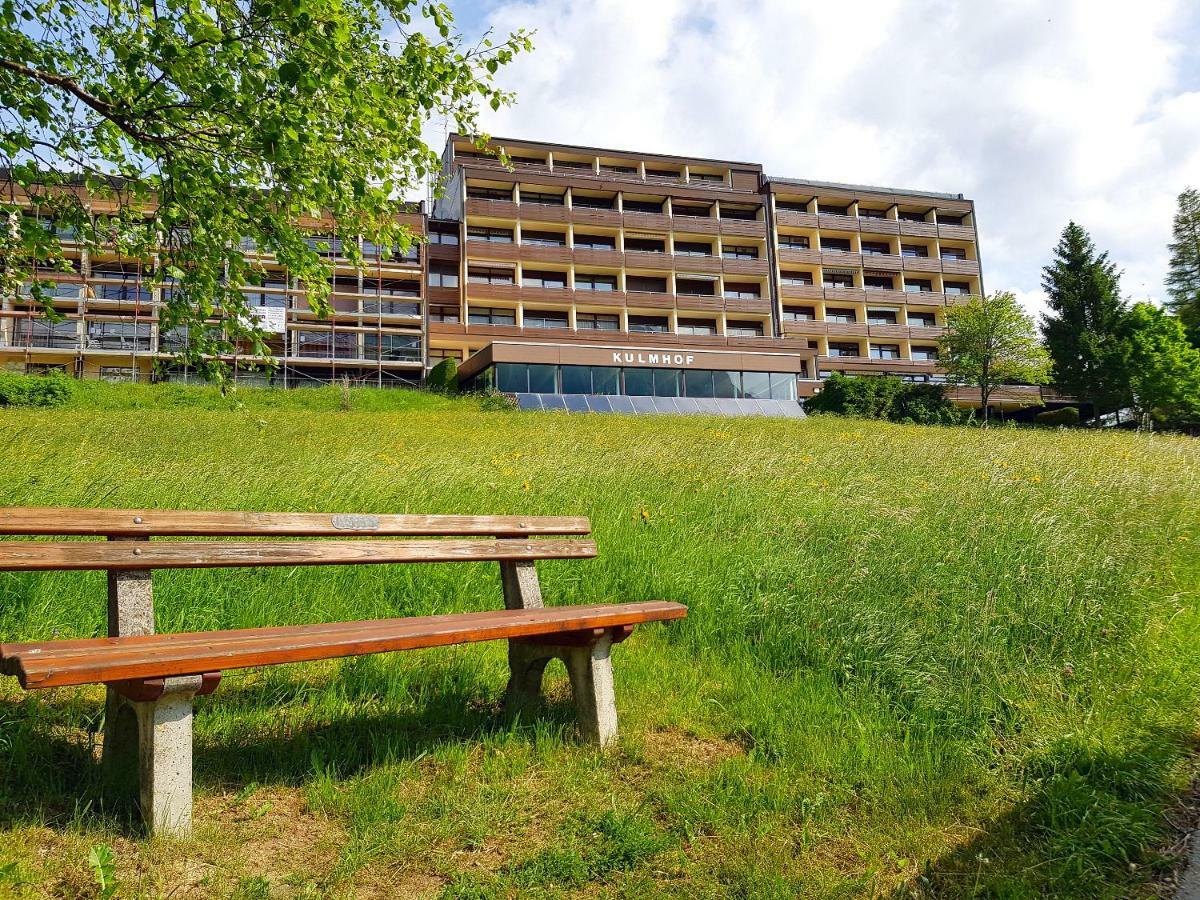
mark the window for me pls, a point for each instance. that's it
(914, 250)
(957, 288)
(691, 210)
(867, 213)
(612, 169)
(118, 335)
(708, 177)
(526, 160)
(693, 248)
(695, 326)
(475, 192)
(945, 219)
(799, 314)
(345, 285)
(584, 201)
(742, 290)
(876, 248)
(837, 280)
(534, 278)
(800, 278)
(118, 373)
(442, 313)
(922, 320)
(481, 275)
(586, 321)
(881, 317)
(741, 213)
(648, 324)
(929, 354)
(639, 382)
(582, 165)
(391, 346)
(576, 379)
(791, 205)
(736, 251)
(794, 242)
(443, 274)
(831, 243)
(885, 351)
(879, 282)
(542, 198)
(493, 235)
(587, 282)
(838, 349)
(487, 315)
(642, 206)
(695, 287)
(544, 238)
(645, 245)
(645, 284)
(845, 316)
(957, 253)
(663, 173)
(918, 286)
(756, 385)
(743, 329)
(445, 353)
(911, 216)
(541, 318)
(829, 209)
(595, 241)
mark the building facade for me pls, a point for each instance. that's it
(569, 270)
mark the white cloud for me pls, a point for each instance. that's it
(1039, 111)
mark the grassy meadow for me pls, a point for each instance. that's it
(919, 662)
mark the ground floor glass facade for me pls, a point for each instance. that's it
(540, 378)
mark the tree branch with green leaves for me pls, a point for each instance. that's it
(175, 131)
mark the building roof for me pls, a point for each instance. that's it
(874, 189)
(606, 151)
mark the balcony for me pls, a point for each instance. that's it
(650, 300)
(759, 305)
(844, 294)
(645, 221)
(744, 227)
(538, 294)
(699, 302)
(803, 257)
(960, 266)
(869, 225)
(836, 222)
(841, 259)
(641, 259)
(695, 224)
(699, 264)
(886, 262)
(538, 212)
(605, 217)
(795, 219)
(882, 295)
(478, 251)
(957, 232)
(921, 264)
(802, 292)
(444, 252)
(587, 256)
(605, 299)
(744, 266)
(496, 209)
(543, 253)
(509, 292)
(918, 229)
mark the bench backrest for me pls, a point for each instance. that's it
(444, 538)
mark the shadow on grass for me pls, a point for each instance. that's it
(49, 761)
(1093, 824)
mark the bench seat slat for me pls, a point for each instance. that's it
(46, 555)
(41, 665)
(202, 523)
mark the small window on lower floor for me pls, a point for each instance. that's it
(799, 314)
(885, 351)
(696, 326)
(486, 315)
(541, 318)
(839, 349)
(586, 321)
(652, 324)
(925, 353)
(744, 329)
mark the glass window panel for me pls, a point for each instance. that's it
(756, 385)
(606, 380)
(576, 380)
(666, 383)
(512, 378)
(542, 379)
(639, 382)
(698, 383)
(727, 384)
(783, 386)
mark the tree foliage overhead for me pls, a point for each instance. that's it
(1083, 290)
(1183, 276)
(990, 342)
(200, 124)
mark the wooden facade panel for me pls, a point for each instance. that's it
(538, 212)
(956, 232)
(650, 300)
(636, 259)
(882, 262)
(481, 251)
(695, 224)
(960, 266)
(607, 218)
(699, 264)
(646, 221)
(790, 218)
(918, 229)
(489, 292)
(922, 264)
(799, 257)
(745, 267)
(496, 209)
(802, 292)
(835, 222)
(539, 253)
(744, 228)
(841, 259)
(588, 257)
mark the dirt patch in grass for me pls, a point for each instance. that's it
(679, 748)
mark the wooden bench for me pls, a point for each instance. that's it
(153, 678)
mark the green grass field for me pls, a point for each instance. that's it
(919, 662)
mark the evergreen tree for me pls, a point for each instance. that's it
(1183, 276)
(1086, 310)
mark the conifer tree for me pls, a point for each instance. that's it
(1081, 330)
(1183, 276)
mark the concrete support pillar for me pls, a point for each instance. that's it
(589, 667)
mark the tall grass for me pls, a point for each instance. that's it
(918, 660)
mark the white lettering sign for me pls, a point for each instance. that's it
(652, 359)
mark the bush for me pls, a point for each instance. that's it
(35, 390)
(885, 397)
(443, 377)
(1067, 417)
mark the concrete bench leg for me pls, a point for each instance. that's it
(151, 735)
(589, 667)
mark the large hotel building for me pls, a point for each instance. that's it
(577, 272)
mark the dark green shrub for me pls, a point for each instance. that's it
(35, 390)
(885, 397)
(443, 377)
(1068, 417)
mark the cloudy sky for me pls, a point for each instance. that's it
(1039, 111)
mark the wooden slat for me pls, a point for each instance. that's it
(100, 660)
(46, 555)
(203, 523)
